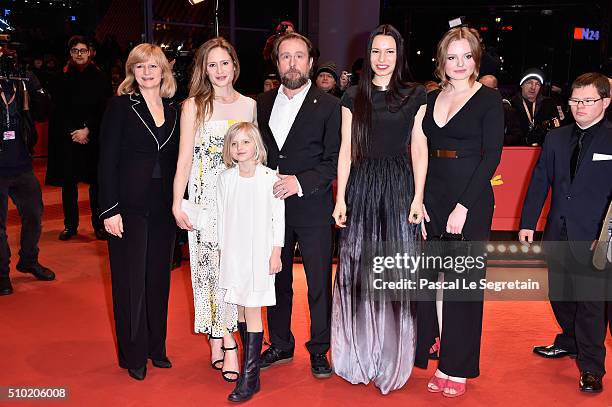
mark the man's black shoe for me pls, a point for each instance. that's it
(552, 352)
(162, 363)
(5, 286)
(590, 382)
(319, 365)
(38, 270)
(100, 234)
(274, 356)
(138, 373)
(67, 234)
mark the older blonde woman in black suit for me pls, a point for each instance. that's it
(138, 153)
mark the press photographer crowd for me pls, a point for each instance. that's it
(323, 156)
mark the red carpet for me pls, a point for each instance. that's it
(60, 334)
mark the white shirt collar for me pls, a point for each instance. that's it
(300, 95)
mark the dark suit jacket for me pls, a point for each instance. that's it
(310, 152)
(581, 204)
(129, 148)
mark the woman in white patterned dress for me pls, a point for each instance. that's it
(212, 107)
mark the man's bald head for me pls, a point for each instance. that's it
(489, 81)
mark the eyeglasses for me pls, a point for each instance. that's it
(585, 102)
(79, 51)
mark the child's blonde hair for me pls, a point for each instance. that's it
(252, 131)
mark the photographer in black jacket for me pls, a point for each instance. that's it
(537, 113)
(17, 180)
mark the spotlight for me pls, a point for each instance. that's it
(513, 248)
(537, 249)
(524, 249)
(419, 52)
(501, 248)
(194, 2)
(490, 248)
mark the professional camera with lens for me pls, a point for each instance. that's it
(10, 67)
(283, 29)
(181, 69)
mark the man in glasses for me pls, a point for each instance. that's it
(576, 162)
(80, 100)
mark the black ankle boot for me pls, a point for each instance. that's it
(242, 329)
(249, 381)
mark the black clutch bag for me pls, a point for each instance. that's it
(449, 245)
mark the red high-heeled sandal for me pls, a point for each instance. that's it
(436, 384)
(458, 387)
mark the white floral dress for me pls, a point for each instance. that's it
(212, 314)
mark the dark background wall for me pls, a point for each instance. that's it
(524, 34)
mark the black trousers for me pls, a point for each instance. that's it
(462, 315)
(70, 204)
(140, 271)
(24, 191)
(577, 296)
(316, 248)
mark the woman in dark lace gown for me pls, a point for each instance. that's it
(379, 205)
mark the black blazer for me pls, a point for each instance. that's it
(310, 153)
(129, 147)
(582, 203)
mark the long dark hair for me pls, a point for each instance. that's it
(396, 96)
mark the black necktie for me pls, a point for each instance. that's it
(575, 160)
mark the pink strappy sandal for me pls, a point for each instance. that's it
(436, 384)
(459, 389)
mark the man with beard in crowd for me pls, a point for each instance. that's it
(300, 125)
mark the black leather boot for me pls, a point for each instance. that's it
(242, 329)
(248, 384)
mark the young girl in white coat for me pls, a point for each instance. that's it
(251, 227)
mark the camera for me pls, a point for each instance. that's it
(10, 67)
(282, 29)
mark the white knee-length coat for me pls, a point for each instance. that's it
(268, 217)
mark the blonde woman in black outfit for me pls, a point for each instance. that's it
(464, 125)
(138, 153)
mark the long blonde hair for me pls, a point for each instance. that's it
(456, 34)
(142, 53)
(200, 87)
(261, 156)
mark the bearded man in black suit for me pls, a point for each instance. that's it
(300, 126)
